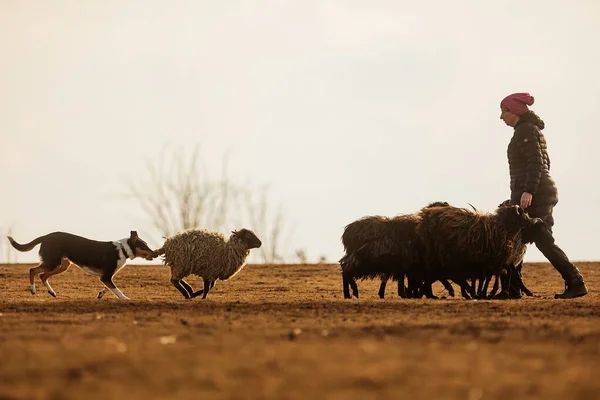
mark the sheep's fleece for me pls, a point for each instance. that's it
(207, 254)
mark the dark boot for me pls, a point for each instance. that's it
(574, 286)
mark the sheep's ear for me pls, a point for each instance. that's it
(520, 210)
(234, 232)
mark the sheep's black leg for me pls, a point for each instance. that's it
(206, 287)
(384, 279)
(187, 287)
(346, 287)
(464, 288)
(520, 283)
(382, 288)
(526, 291)
(354, 288)
(427, 289)
(448, 287)
(179, 286)
(401, 287)
(483, 291)
(495, 287)
(473, 282)
(414, 285)
(483, 284)
(519, 267)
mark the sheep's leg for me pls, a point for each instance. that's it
(354, 288)
(207, 286)
(413, 287)
(520, 283)
(473, 282)
(427, 289)
(494, 288)
(181, 288)
(483, 292)
(401, 287)
(201, 291)
(188, 288)
(483, 287)
(448, 287)
(349, 282)
(525, 290)
(465, 288)
(346, 287)
(384, 279)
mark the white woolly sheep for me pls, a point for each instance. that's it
(207, 254)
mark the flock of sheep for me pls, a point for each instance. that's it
(439, 242)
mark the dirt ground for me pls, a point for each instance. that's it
(285, 332)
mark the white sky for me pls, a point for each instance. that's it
(346, 108)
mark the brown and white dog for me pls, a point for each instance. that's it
(103, 259)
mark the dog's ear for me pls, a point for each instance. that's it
(133, 236)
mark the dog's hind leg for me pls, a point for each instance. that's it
(33, 272)
(64, 265)
(107, 280)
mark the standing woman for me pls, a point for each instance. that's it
(531, 185)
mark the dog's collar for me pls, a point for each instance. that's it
(124, 248)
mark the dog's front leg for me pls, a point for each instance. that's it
(107, 280)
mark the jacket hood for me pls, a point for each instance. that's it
(532, 118)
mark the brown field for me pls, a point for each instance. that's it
(285, 332)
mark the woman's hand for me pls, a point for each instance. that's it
(526, 198)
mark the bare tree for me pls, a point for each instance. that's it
(301, 256)
(10, 256)
(180, 194)
(272, 226)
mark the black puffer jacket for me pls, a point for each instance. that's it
(529, 163)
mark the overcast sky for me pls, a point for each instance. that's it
(346, 108)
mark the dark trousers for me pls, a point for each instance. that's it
(548, 247)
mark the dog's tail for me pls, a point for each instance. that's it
(28, 246)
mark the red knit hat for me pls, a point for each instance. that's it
(517, 103)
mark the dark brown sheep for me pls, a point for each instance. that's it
(459, 244)
(394, 239)
(383, 247)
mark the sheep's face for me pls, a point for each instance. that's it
(248, 237)
(536, 232)
(515, 219)
(140, 248)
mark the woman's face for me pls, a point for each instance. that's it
(509, 118)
